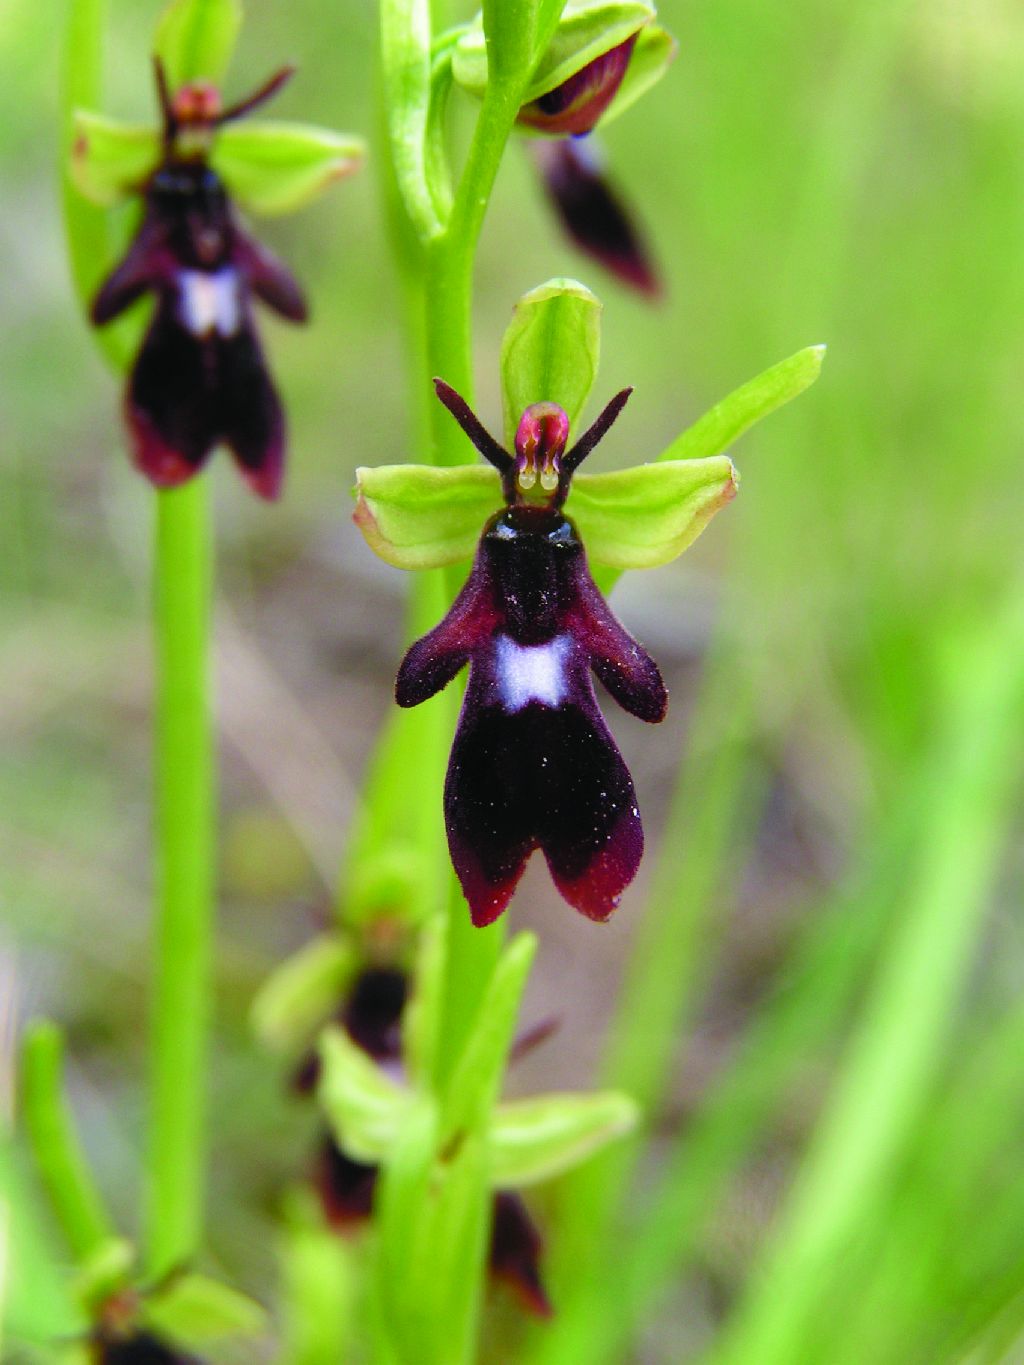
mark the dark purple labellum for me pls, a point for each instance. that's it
(346, 1187)
(139, 1349)
(533, 764)
(593, 216)
(575, 106)
(200, 378)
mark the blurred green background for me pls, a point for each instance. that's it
(844, 867)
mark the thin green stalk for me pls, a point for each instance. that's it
(184, 877)
(58, 1154)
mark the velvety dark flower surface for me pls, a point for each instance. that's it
(575, 106)
(533, 764)
(592, 214)
(200, 378)
(140, 1349)
(516, 1249)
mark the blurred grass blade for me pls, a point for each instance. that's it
(55, 1145)
(907, 1016)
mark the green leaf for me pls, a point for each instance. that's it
(366, 1108)
(277, 167)
(110, 159)
(195, 39)
(303, 992)
(195, 1310)
(644, 516)
(550, 351)
(735, 414)
(420, 517)
(407, 78)
(584, 32)
(533, 1140)
(653, 54)
(476, 1080)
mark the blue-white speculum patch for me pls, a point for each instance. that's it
(200, 378)
(533, 764)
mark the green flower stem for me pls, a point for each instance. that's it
(55, 1145)
(184, 877)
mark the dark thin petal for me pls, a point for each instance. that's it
(432, 662)
(266, 91)
(623, 665)
(515, 1253)
(596, 432)
(473, 427)
(345, 1187)
(593, 216)
(271, 280)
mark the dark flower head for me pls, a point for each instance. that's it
(592, 214)
(200, 378)
(533, 764)
(575, 106)
(139, 1349)
(371, 1015)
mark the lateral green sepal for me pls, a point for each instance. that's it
(647, 515)
(274, 168)
(365, 1107)
(421, 517)
(550, 351)
(303, 992)
(195, 39)
(195, 1310)
(106, 1271)
(535, 1139)
(111, 159)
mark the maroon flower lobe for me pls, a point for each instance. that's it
(575, 106)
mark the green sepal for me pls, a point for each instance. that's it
(110, 159)
(726, 422)
(422, 517)
(473, 1089)
(583, 33)
(535, 1139)
(277, 167)
(195, 39)
(365, 1107)
(550, 351)
(106, 1271)
(194, 1310)
(647, 515)
(303, 992)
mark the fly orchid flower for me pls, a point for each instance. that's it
(200, 377)
(602, 56)
(371, 1016)
(533, 764)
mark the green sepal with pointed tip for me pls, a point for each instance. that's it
(365, 1107)
(654, 52)
(550, 351)
(535, 1139)
(106, 1271)
(303, 992)
(273, 168)
(423, 517)
(110, 159)
(195, 1310)
(195, 39)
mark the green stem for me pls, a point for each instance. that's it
(55, 1144)
(184, 877)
